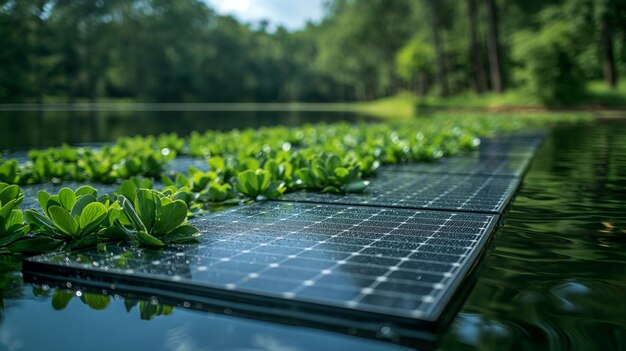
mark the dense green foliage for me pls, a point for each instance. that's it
(81, 218)
(550, 69)
(155, 50)
(12, 226)
(243, 166)
(329, 157)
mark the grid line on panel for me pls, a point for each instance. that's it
(314, 281)
(467, 193)
(426, 300)
(243, 233)
(292, 294)
(396, 262)
(472, 164)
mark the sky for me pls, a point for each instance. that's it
(292, 14)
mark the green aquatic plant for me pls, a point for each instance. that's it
(153, 219)
(128, 188)
(328, 173)
(74, 217)
(98, 169)
(258, 184)
(198, 180)
(218, 193)
(9, 171)
(12, 226)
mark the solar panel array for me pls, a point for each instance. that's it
(399, 251)
(475, 163)
(393, 261)
(437, 191)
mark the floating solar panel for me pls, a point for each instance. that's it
(409, 190)
(398, 264)
(394, 254)
(478, 164)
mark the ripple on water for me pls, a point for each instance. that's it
(556, 276)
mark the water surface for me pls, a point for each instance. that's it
(32, 127)
(555, 278)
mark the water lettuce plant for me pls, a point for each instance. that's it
(231, 153)
(328, 173)
(9, 171)
(154, 220)
(73, 217)
(12, 226)
(258, 184)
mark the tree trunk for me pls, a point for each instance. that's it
(479, 79)
(494, 47)
(441, 67)
(608, 57)
(422, 87)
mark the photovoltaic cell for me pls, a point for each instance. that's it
(436, 191)
(396, 262)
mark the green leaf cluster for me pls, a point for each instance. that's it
(76, 218)
(329, 173)
(12, 226)
(258, 184)
(153, 219)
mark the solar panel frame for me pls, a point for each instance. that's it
(426, 313)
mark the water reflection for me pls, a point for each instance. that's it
(27, 129)
(557, 276)
(61, 298)
(10, 282)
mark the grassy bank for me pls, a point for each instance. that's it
(403, 106)
(598, 97)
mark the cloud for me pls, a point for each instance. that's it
(9, 341)
(292, 14)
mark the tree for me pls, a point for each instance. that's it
(494, 47)
(414, 63)
(478, 77)
(435, 11)
(547, 65)
(606, 43)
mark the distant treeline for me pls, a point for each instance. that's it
(164, 50)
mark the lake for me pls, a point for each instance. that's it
(26, 127)
(553, 278)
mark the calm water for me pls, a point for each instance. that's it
(26, 128)
(555, 278)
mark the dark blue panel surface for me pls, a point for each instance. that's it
(395, 262)
(436, 191)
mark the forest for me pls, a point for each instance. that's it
(183, 51)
